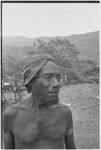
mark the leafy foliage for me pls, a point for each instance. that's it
(62, 50)
(66, 55)
(12, 73)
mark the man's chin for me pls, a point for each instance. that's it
(52, 98)
(50, 101)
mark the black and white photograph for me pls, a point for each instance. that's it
(50, 75)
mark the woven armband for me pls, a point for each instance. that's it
(69, 131)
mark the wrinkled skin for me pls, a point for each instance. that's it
(40, 122)
(42, 85)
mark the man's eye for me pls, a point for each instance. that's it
(58, 77)
(48, 77)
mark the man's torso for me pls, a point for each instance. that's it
(39, 129)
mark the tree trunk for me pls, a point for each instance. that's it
(15, 95)
(19, 94)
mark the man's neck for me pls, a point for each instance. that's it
(36, 103)
(33, 102)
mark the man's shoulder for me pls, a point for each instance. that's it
(66, 111)
(64, 108)
(10, 110)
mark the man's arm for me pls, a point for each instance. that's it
(7, 133)
(69, 137)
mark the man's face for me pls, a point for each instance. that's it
(47, 86)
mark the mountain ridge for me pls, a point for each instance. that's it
(86, 43)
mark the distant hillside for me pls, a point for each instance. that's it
(87, 44)
(17, 41)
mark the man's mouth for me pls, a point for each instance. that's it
(53, 93)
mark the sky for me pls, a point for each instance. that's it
(48, 19)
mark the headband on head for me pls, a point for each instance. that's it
(33, 65)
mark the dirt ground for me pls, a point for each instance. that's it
(83, 100)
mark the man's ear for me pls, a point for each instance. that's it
(62, 82)
(28, 88)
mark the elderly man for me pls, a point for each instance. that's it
(39, 122)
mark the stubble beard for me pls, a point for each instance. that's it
(46, 101)
(43, 99)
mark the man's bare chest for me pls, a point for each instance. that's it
(29, 126)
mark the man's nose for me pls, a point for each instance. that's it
(55, 82)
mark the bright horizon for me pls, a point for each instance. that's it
(47, 19)
(25, 36)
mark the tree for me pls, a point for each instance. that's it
(12, 72)
(61, 49)
(66, 55)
